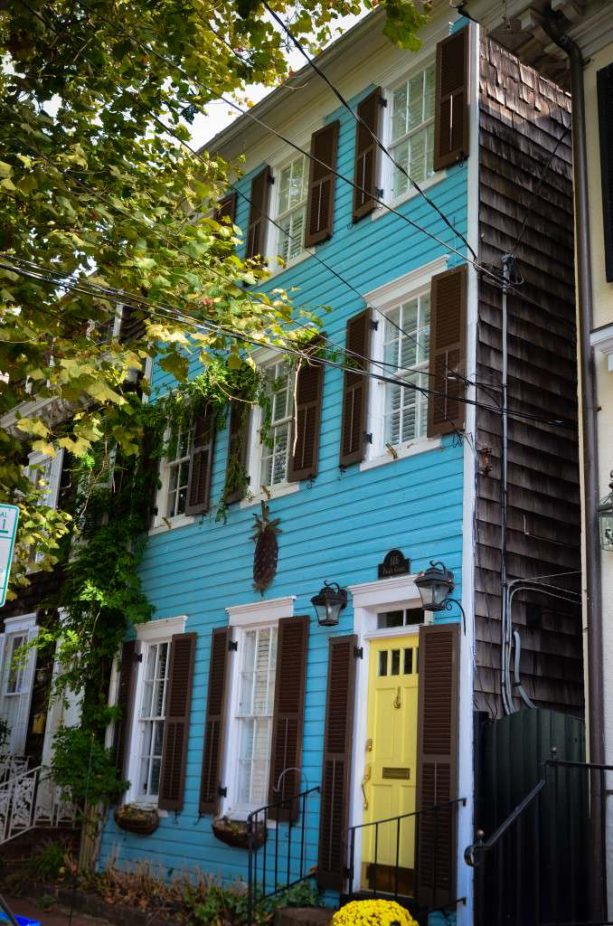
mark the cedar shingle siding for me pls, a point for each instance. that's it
(516, 142)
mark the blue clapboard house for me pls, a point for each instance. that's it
(238, 696)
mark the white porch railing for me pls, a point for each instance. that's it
(31, 799)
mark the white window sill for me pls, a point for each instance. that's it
(410, 449)
(163, 525)
(145, 803)
(410, 194)
(278, 491)
(240, 816)
(275, 268)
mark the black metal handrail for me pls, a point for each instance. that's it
(257, 836)
(418, 815)
(480, 845)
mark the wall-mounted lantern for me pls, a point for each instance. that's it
(605, 519)
(435, 585)
(329, 603)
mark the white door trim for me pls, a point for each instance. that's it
(368, 599)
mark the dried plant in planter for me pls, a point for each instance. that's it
(137, 819)
(236, 832)
(266, 551)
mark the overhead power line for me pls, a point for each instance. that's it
(160, 310)
(365, 125)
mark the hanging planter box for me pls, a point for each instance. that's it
(235, 832)
(135, 819)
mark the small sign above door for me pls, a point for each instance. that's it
(394, 564)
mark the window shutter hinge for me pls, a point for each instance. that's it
(137, 657)
(382, 100)
(222, 792)
(374, 324)
(358, 652)
(379, 191)
(232, 646)
(368, 438)
(271, 179)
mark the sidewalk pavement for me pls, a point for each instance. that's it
(53, 916)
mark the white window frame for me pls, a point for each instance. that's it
(161, 522)
(256, 492)
(278, 216)
(23, 624)
(151, 633)
(388, 297)
(386, 165)
(35, 470)
(241, 618)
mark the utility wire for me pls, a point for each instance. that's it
(177, 314)
(365, 125)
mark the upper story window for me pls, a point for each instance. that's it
(275, 433)
(176, 474)
(405, 352)
(412, 129)
(185, 471)
(416, 345)
(291, 208)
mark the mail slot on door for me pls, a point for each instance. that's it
(396, 772)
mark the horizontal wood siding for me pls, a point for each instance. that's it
(522, 119)
(202, 568)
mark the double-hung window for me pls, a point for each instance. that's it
(151, 719)
(291, 208)
(275, 433)
(411, 140)
(405, 354)
(177, 472)
(253, 718)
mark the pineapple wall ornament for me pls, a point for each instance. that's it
(266, 550)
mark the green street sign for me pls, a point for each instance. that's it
(9, 515)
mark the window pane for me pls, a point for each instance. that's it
(395, 669)
(387, 619)
(254, 717)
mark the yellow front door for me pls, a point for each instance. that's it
(389, 781)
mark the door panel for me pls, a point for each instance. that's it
(390, 771)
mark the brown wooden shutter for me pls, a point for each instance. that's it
(437, 751)
(451, 100)
(306, 424)
(226, 209)
(322, 182)
(336, 771)
(236, 465)
(213, 730)
(176, 721)
(132, 325)
(260, 195)
(604, 80)
(355, 389)
(366, 155)
(447, 351)
(201, 463)
(125, 696)
(288, 715)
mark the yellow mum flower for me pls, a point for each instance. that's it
(372, 913)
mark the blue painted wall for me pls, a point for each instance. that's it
(338, 528)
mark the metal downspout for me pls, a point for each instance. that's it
(590, 458)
